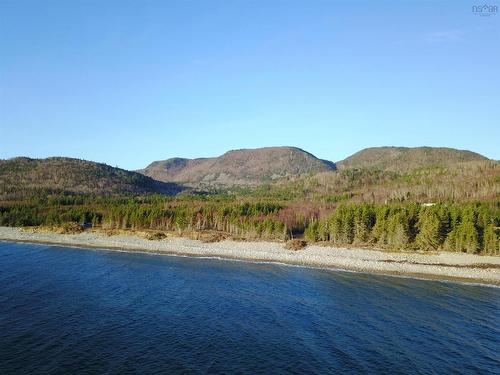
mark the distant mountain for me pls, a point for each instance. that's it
(57, 174)
(239, 167)
(403, 159)
(247, 167)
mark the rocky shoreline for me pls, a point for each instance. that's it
(443, 265)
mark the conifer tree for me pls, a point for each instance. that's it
(429, 230)
(311, 232)
(379, 232)
(398, 234)
(347, 214)
(323, 231)
(335, 227)
(363, 223)
(467, 238)
(491, 241)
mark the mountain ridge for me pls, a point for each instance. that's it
(239, 167)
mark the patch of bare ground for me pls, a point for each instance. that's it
(482, 266)
(68, 228)
(295, 244)
(155, 236)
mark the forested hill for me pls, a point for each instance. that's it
(404, 159)
(24, 176)
(461, 182)
(385, 174)
(239, 167)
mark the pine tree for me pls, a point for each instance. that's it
(491, 241)
(323, 231)
(379, 231)
(412, 212)
(444, 220)
(363, 223)
(429, 230)
(311, 232)
(335, 227)
(347, 225)
(466, 237)
(398, 234)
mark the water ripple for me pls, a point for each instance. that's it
(65, 310)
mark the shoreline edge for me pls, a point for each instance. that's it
(459, 267)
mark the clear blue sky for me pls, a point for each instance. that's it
(129, 82)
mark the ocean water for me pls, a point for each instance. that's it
(75, 311)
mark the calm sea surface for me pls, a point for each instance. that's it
(65, 310)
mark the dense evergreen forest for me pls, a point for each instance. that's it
(471, 227)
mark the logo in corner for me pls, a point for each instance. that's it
(485, 10)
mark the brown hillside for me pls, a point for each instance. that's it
(19, 176)
(239, 167)
(403, 159)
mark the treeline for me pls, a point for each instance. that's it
(463, 227)
(240, 219)
(249, 220)
(471, 228)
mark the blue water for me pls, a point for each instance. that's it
(66, 310)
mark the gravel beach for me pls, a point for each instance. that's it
(444, 265)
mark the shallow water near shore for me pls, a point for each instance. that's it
(64, 310)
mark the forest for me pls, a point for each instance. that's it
(471, 227)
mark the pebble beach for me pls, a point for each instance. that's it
(443, 265)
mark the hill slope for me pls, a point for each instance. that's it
(460, 182)
(403, 159)
(239, 167)
(21, 175)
